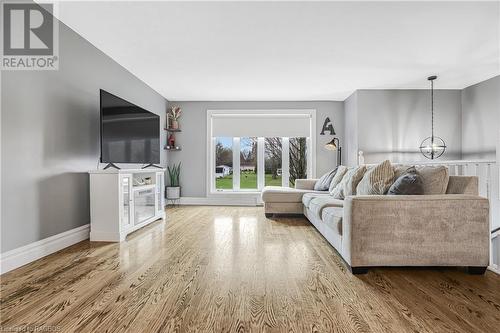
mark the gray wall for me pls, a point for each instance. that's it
(481, 136)
(193, 137)
(50, 138)
(481, 119)
(393, 123)
(351, 129)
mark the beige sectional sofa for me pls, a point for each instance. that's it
(450, 229)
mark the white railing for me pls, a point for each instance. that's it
(488, 174)
(485, 170)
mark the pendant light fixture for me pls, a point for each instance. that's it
(433, 146)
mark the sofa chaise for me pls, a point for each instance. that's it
(450, 229)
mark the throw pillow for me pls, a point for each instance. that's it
(376, 180)
(409, 183)
(341, 171)
(323, 184)
(435, 178)
(348, 184)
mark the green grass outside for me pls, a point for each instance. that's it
(247, 181)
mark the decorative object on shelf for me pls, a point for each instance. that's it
(433, 146)
(173, 115)
(327, 127)
(174, 189)
(334, 145)
(171, 141)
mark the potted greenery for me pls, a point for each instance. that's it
(174, 189)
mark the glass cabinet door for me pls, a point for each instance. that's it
(159, 190)
(144, 205)
(126, 186)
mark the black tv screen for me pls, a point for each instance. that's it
(129, 134)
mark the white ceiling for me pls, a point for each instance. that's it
(292, 51)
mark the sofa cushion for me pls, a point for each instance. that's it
(341, 171)
(284, 194)
(306, 198)
(323, 183)
(435, 178)
(332, 217)
(409, 183)
(316, 205)
(376, 180)
(348, 184)
(463, 185)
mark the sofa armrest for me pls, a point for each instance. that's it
(305, 184)
(411, 230)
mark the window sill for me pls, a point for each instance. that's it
(223, 192)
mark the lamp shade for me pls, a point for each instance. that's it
(332, 145)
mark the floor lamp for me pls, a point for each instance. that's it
(334, 145)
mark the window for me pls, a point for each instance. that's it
(248, 163)
(273, 162)
(224, 163)
(298, 159)
(248, 151)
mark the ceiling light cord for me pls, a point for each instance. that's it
(432, 110)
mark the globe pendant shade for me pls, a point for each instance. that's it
(432, 147)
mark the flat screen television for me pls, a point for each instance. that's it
(129, 134)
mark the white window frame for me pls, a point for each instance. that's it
(211, 142)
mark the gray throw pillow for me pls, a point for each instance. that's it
(409, 183)
(323, 184)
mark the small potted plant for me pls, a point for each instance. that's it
(174, 189)
(173, 115)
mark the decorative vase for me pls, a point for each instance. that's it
(173, 192)
(174, 124)
(171, 141)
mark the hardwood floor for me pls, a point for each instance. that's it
(227, 269)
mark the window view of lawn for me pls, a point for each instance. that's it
(247, 181)
(273, 169)
(272, 161)
(224, 163)
(248, 163)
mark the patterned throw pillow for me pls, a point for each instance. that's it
(409, 183)
(376, 180)
(348, 184)
(323, 184)
(341, 171)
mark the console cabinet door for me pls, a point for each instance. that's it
(160, 200)
(126, 219)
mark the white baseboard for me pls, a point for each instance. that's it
(220, 201)
(101, 236)
(23, 255)
(494, 269)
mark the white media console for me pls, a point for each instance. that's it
(122, 201)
